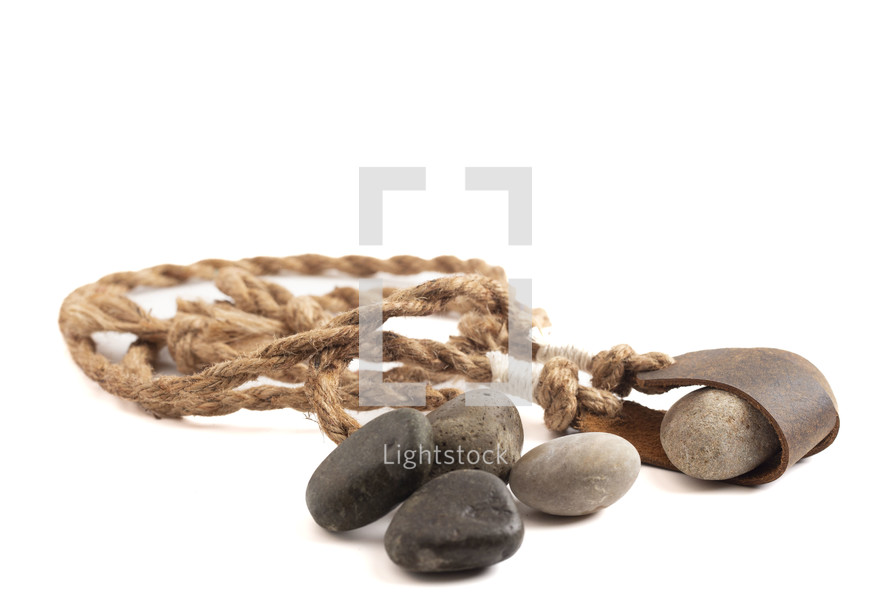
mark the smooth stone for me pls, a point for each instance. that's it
(465, 519)
(576, 474)
(713, 434)
(489, 429)
(370, 472)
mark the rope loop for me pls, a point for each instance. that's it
(265, 331)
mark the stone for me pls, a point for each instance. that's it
(462, 520)
(486, 435)
(371, 472)
(713, 434)
(576, 474)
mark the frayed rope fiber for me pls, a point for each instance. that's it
(267, 331)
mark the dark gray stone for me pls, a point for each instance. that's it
(715, 435)
(371, 472)
(486, 435)
(465, 519)
(576, 474)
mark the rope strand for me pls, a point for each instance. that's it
(266, 331)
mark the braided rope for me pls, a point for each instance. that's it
(267, 331)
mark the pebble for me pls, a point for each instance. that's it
(465, 519)
(576, 474)
(713, 434)
(371, 472)
(484, 436)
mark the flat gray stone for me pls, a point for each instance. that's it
(575, 474)
(465, 519)
(486, 435)
(370, 472)
(713, 434)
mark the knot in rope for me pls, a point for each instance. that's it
(557, 393)
(615, 369)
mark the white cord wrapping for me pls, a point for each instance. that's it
(516, 377)
(520, 377)
(579, 356)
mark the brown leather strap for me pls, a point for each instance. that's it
(793, 395)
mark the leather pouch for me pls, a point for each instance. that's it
(791, 393)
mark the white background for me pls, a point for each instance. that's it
(706, 174)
